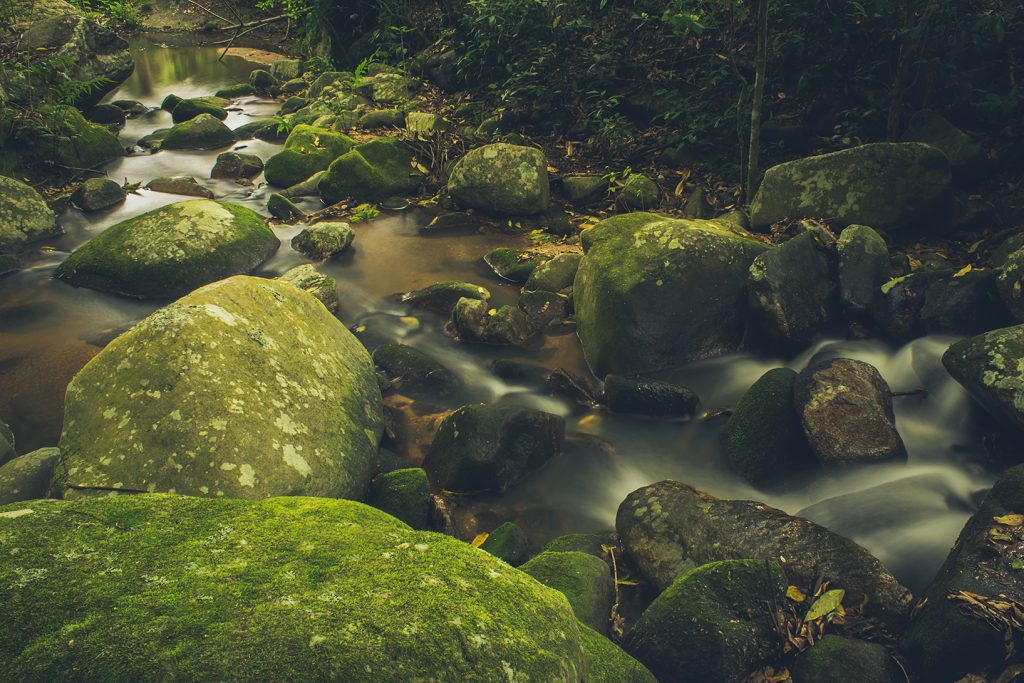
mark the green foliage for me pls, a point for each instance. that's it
(364, 212)
(120, 12)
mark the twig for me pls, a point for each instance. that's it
(210, 11)
(923, 393)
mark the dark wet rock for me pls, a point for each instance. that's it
(174, 567)
(24, 216)
(884, 185)
(153, 140)
(184, 185)
(642, 396)
(382, 118)
(307, 188)
(608, 663)
(966, 156)
(235, 91)
(489, 447)
(108, 115)
(793, 288)
(405, 495)
(96, 194)
(324, 288)
(668, 528)
(845, 408)
(592, 544)
(897, 314)
(555, 221)
(282, 208)
(235, 166)
(308, 150)
(262, 80)
(639, 193)
(9, 263)
(578, 388)
(583, 579)
(520, 371)
(949, 637)
(454, 222)
(170, 102)
(268, 130)
(711, 624)
(202, 132)
(131, 108)
(7, 451)
(584, 190)
(474, 321)
(959, 212)
(170, 251)
(27, 477)
(542, 308)
(697, 206)
(991, 367)
(863, 268)
(516, 265)
(442, 296)
(501, 179)
(554, 275)
(1010, 284)
(965, 304)
(508, 543)
(371, 172)
(836, 659)
(188, 109)
(763, 438)
(183, 381)
(323, 241)
(653, 293)
(413, 370)
(292, 105)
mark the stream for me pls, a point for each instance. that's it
(907, 513)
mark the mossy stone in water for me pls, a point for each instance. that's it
(501, 179)
(96, 194)
(403, 494)
(413, 370)
(555, 274)
(193, 107)
(233, 91)
(608, 663)
(836, 659)
(324, 288)
(286, 588)
(307, 150)
(170, 251)
(202, 132)
(592, 544)
(62, 134)
(268, 130)
(583, 579)
(236, 166)
(282, 208)
(516, 265)
(508, 543)
(262, 80)
(27, 477)
(24, 216)
(323, 240)
(991, 367)
(763, 438)
(442, 296)
(371, 172)
(246, 388)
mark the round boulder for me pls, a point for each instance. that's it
(501, 179)
(24, 216)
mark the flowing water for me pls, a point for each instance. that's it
(907, 513)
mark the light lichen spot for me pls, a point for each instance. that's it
(247, 476)
(296, 461)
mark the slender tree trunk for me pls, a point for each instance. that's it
(757, 100)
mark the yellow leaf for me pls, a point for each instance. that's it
(680, 188)
(1009, 520)
(974, 247)
(963, 271)
(552, 169)
(795, 594)
(360, 328)
(479, 540)
(493, 311)
(420, 167)
(558, 19)
(998, 535)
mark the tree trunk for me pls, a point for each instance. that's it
(757, 100)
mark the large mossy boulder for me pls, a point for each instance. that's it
(583, 579)
(24, 216)
(61, 135)
(202, 132)
(712, 624)
(307, 150)
(371, 172)
(991, 367)
(280, 589)
(170, 251)
(654, 293)
(501, 179)
(885, 185)
(194, 106)
(669, 528)
(489, 447)
(246, 388)
(609, 663)
(973, 606)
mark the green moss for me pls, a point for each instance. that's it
(583, 579)
(516, 265)
(307, 150)
(233, 91)
(371, 172)
(638, 193)
(835, 659)
(202, 132)
(282, 208)
(991, 367)
(24, 216)
(63, 135)
(404, 494)
(193, 107)
(282, 589)
(323, 240)
(608, 663)
(501, 179)
(170, 251)
(269, 130)
(508, 543)
(413, 370)
(442, 296)
(592, 544)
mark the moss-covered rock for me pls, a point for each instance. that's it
(991, 367)
(763, 438)
(946, 638)
(7, 451)
(96, 194)
(516, 265)
(474, 321)
(262, 80)
(1009, 283)
(194, 106)
(555, 274)
(583, 579)
(307, 150)
(387, 88)
(653, 293)
(371, 172)
(62, 135)
(282, 208)
(107, 114)
(184, 185)
(412, 370)
(442, 296)
(489, 447)
(584, 190)
(501, 179)
(884, 185)
(592, 544)
(287, 588)
(27, 477)
(864, 266)
(382, 118)
(236, 166)
(292, 105)
(286, 69)
(608, 663)
(896, 314)
(966, 156)
(508, 543)
(170, 251)
(425, 123)
(323, 241)
(836, 659)
(234, 91)
(202, 132)
(642, 396)
(306, 277)
(405, 495)
(711, 624)
(268, 130)
(329, 79)
(964, 305)
(24, 216)
(638, 193)
(246, 388)
(541, 308)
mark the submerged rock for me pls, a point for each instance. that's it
(489, 447)
(170, 251)
(184, 185)
(371, 172)
(583, 579)
(306, 277)
(508, 543)
(307, 150)
(413, 370)
(884, 185)
(642, 396)
(24, 216)
(516, 265)
(235, 166)
(501, 179)
(845, 408)
(96, 194)
(712, 624)
(405, 495)
(991, 367)
(473, 320)
(653, 293)
(863, 268)
(246, 388)
(669, 528)
(332, 589)
(323, 241)
(27, 477)
(202, 132)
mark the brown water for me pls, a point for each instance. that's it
(908, 514)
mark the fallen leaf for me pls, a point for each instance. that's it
(1010, 520)
(795, 594)
(479, 539)
(829, 603)
(963, 271)
(998, 535)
